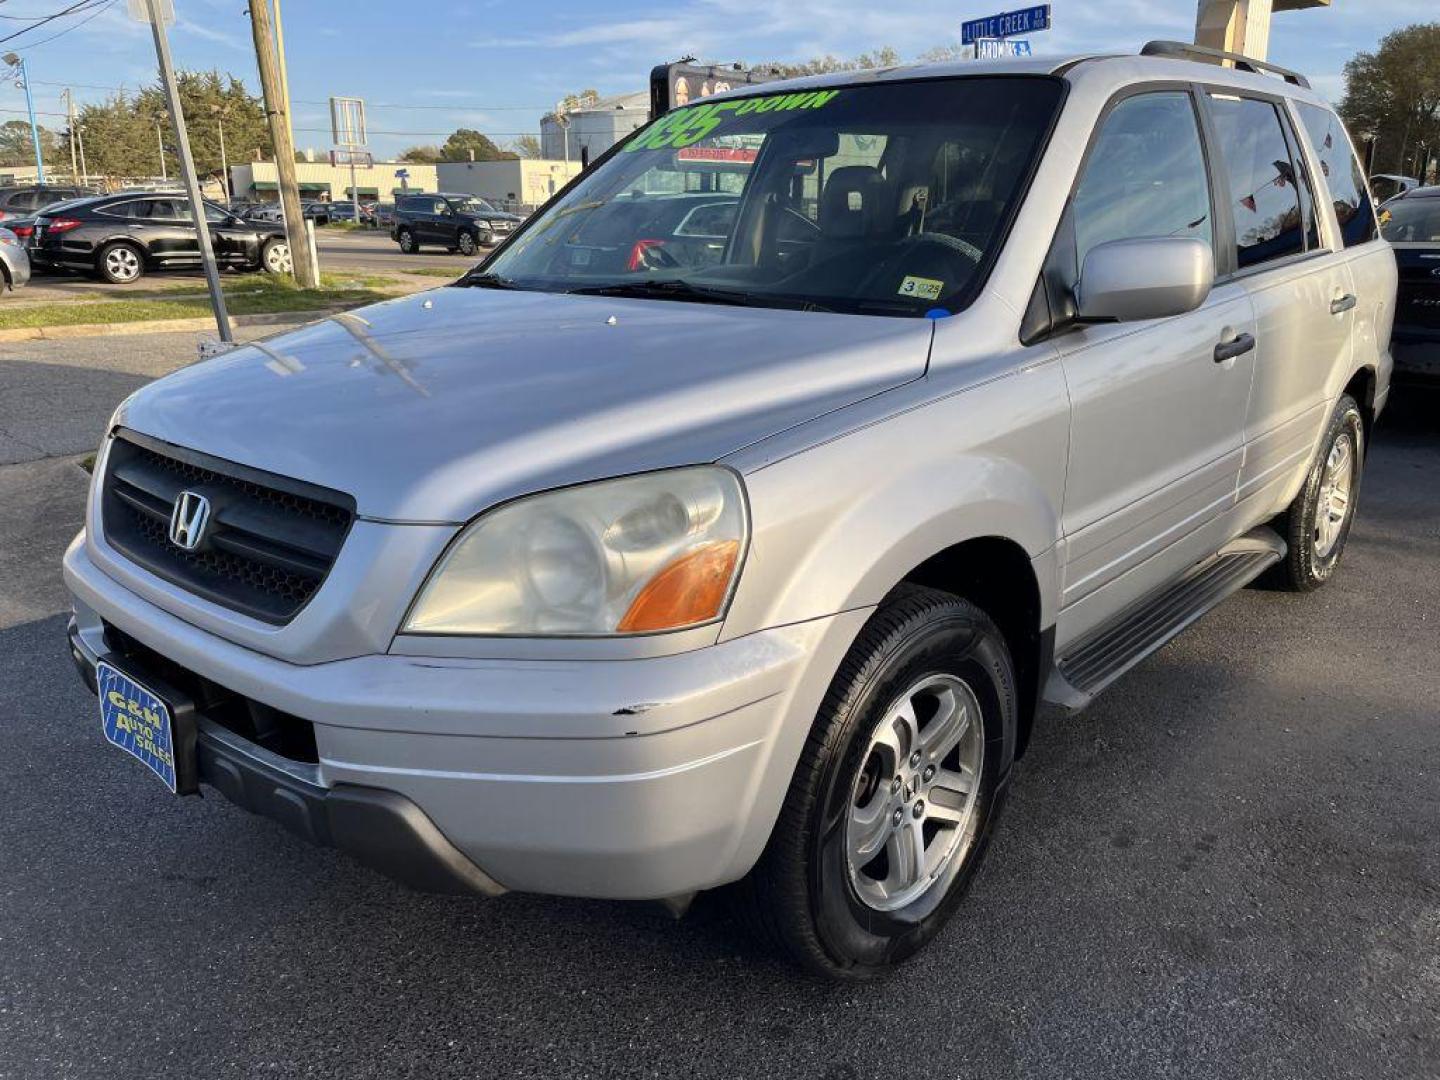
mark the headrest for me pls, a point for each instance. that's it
(850, 204)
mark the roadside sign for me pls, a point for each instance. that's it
(1006, 24)
(347, 121)
(361, 159)
(140, 11)
(401, 174)
(999, 49)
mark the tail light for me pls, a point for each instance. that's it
(4, 214)
(637, 253)
(24, 232)
(61, 224)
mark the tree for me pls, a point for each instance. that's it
(1392, 96)
(823, 65)
(421, 155)
(459, 146)
(527, 146)
(120, 134)
(17, 147)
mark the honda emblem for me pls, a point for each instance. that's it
(189, 520)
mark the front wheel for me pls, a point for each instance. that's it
(1317, 524)
(275, 257)
(465, 244)
(406, 239)
(890, 810)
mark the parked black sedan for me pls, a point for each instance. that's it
(119, 237)
(462, 223)
(1411, 222)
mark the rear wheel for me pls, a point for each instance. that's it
(120, 263)
(891, 806)
(406, 239)
(1317, 524)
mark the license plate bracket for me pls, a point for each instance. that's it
(151, 722)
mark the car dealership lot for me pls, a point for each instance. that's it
(1227, 867)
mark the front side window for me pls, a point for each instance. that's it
(472, 206)
(887, 198)
(1342, 172)
(1145, 176)
(1264, 180)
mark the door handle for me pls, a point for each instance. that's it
(1236, 346)
(1342, 304)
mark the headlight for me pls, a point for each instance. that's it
(631, 556)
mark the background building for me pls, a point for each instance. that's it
(259, 180)
(594, 128)
(510, 184)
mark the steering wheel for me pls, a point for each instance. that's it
(911, 249)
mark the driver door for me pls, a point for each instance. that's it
(1158, 415)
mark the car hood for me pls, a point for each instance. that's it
(435, 406)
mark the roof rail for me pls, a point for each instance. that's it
(1185, 51)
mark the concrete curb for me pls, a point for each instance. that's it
(150, 326)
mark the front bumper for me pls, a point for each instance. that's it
(384, 830)
(1417, 355)
(640, 778)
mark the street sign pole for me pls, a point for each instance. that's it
(187, 170)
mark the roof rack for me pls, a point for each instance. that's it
(1186, 51)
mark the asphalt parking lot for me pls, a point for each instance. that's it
(356, 252)
(1228, 867)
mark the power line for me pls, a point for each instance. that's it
(79, 5)
(74, 26)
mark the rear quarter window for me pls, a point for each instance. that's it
(1341, 171)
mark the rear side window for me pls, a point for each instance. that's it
(1342, 172)
(1264, 184)
(1145, 177)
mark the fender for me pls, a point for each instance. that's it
(988, 462)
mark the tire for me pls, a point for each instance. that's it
(120, 263)
(1317, 539)
(853, 917)
(275, 257)
(406, 239)
(466, 245)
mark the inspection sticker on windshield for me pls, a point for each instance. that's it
(922, 288)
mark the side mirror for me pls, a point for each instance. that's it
(1150, 278)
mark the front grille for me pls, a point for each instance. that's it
(270, 541)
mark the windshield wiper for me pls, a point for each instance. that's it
(668, 290)
(487, 281)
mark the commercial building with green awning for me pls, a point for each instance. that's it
(309, 187)
(363, 192)
(319, 179)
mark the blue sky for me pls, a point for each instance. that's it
(427, 68)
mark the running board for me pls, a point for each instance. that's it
(1102, 656)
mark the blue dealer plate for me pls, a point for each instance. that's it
(137, 721)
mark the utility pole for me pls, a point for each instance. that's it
(160, 141)
(187, 171)
(70, 121)
(224, 161)
(306, 272)
(18, 62)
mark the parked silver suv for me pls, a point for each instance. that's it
(732, 522)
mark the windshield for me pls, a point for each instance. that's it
(473, 206)
(890, 198)
(1411, 220)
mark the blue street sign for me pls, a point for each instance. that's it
(1006, 24)
(996, 49)
(402, 174)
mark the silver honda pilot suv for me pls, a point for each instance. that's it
(731, 524)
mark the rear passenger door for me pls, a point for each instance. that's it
(1156, 421)
(1298, 282)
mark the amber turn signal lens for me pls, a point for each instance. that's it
(689, 590)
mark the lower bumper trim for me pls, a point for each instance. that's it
(383, 829)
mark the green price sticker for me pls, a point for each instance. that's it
(687, 126)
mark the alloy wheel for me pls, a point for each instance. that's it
(1337, 484)
(913, 806)
(122, 264)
